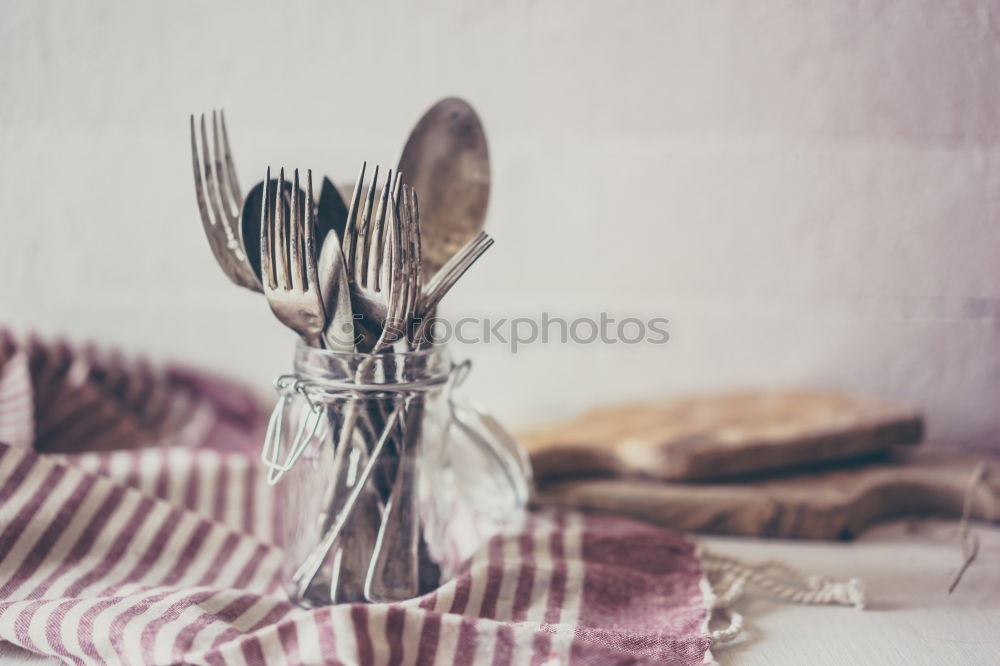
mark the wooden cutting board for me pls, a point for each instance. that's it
(833, 504)
(722, 435)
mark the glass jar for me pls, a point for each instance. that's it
(388, 481)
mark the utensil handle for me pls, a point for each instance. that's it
(394, 573)
(306, 573)
(350, 562)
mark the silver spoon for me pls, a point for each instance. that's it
(447, 162)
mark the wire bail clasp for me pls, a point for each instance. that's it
(288, 387)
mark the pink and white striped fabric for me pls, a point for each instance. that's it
(169, 555)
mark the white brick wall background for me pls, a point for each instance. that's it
(810, 191)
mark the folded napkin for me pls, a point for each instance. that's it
(171, 554)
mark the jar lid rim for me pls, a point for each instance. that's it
(301, 348)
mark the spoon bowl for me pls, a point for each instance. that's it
(447, 162)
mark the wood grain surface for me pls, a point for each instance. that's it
(832, 504)
(721, 436)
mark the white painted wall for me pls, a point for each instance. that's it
(810, 191)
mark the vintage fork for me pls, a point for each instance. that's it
(390, 571)
(372, 273)
(219, 201)
(393, 572)
(291, 285)
(288, 260)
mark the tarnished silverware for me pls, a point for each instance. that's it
(351, 279)
(409, 209)
(232, 223)
(372, 280)
(446, 160)
(330, 215)
(220, 202)
(374, 261)
(393, 573)
(350, 562)
(392, 567)
(306, 573)
(445, 279)
(338, 331)
(288, 260)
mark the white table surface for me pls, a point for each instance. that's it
(910, 620)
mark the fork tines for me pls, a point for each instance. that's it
(377, 257)
(454, 269)
(283, 231)
(444, 280)
(219, 199)
(288, 257)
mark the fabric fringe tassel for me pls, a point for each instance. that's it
(730, 579)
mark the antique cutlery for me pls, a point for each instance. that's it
(350, 278)
(232, 223)
(220, 202)
(446, 160)
(288, 260)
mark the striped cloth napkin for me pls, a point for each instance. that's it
(171, 555)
